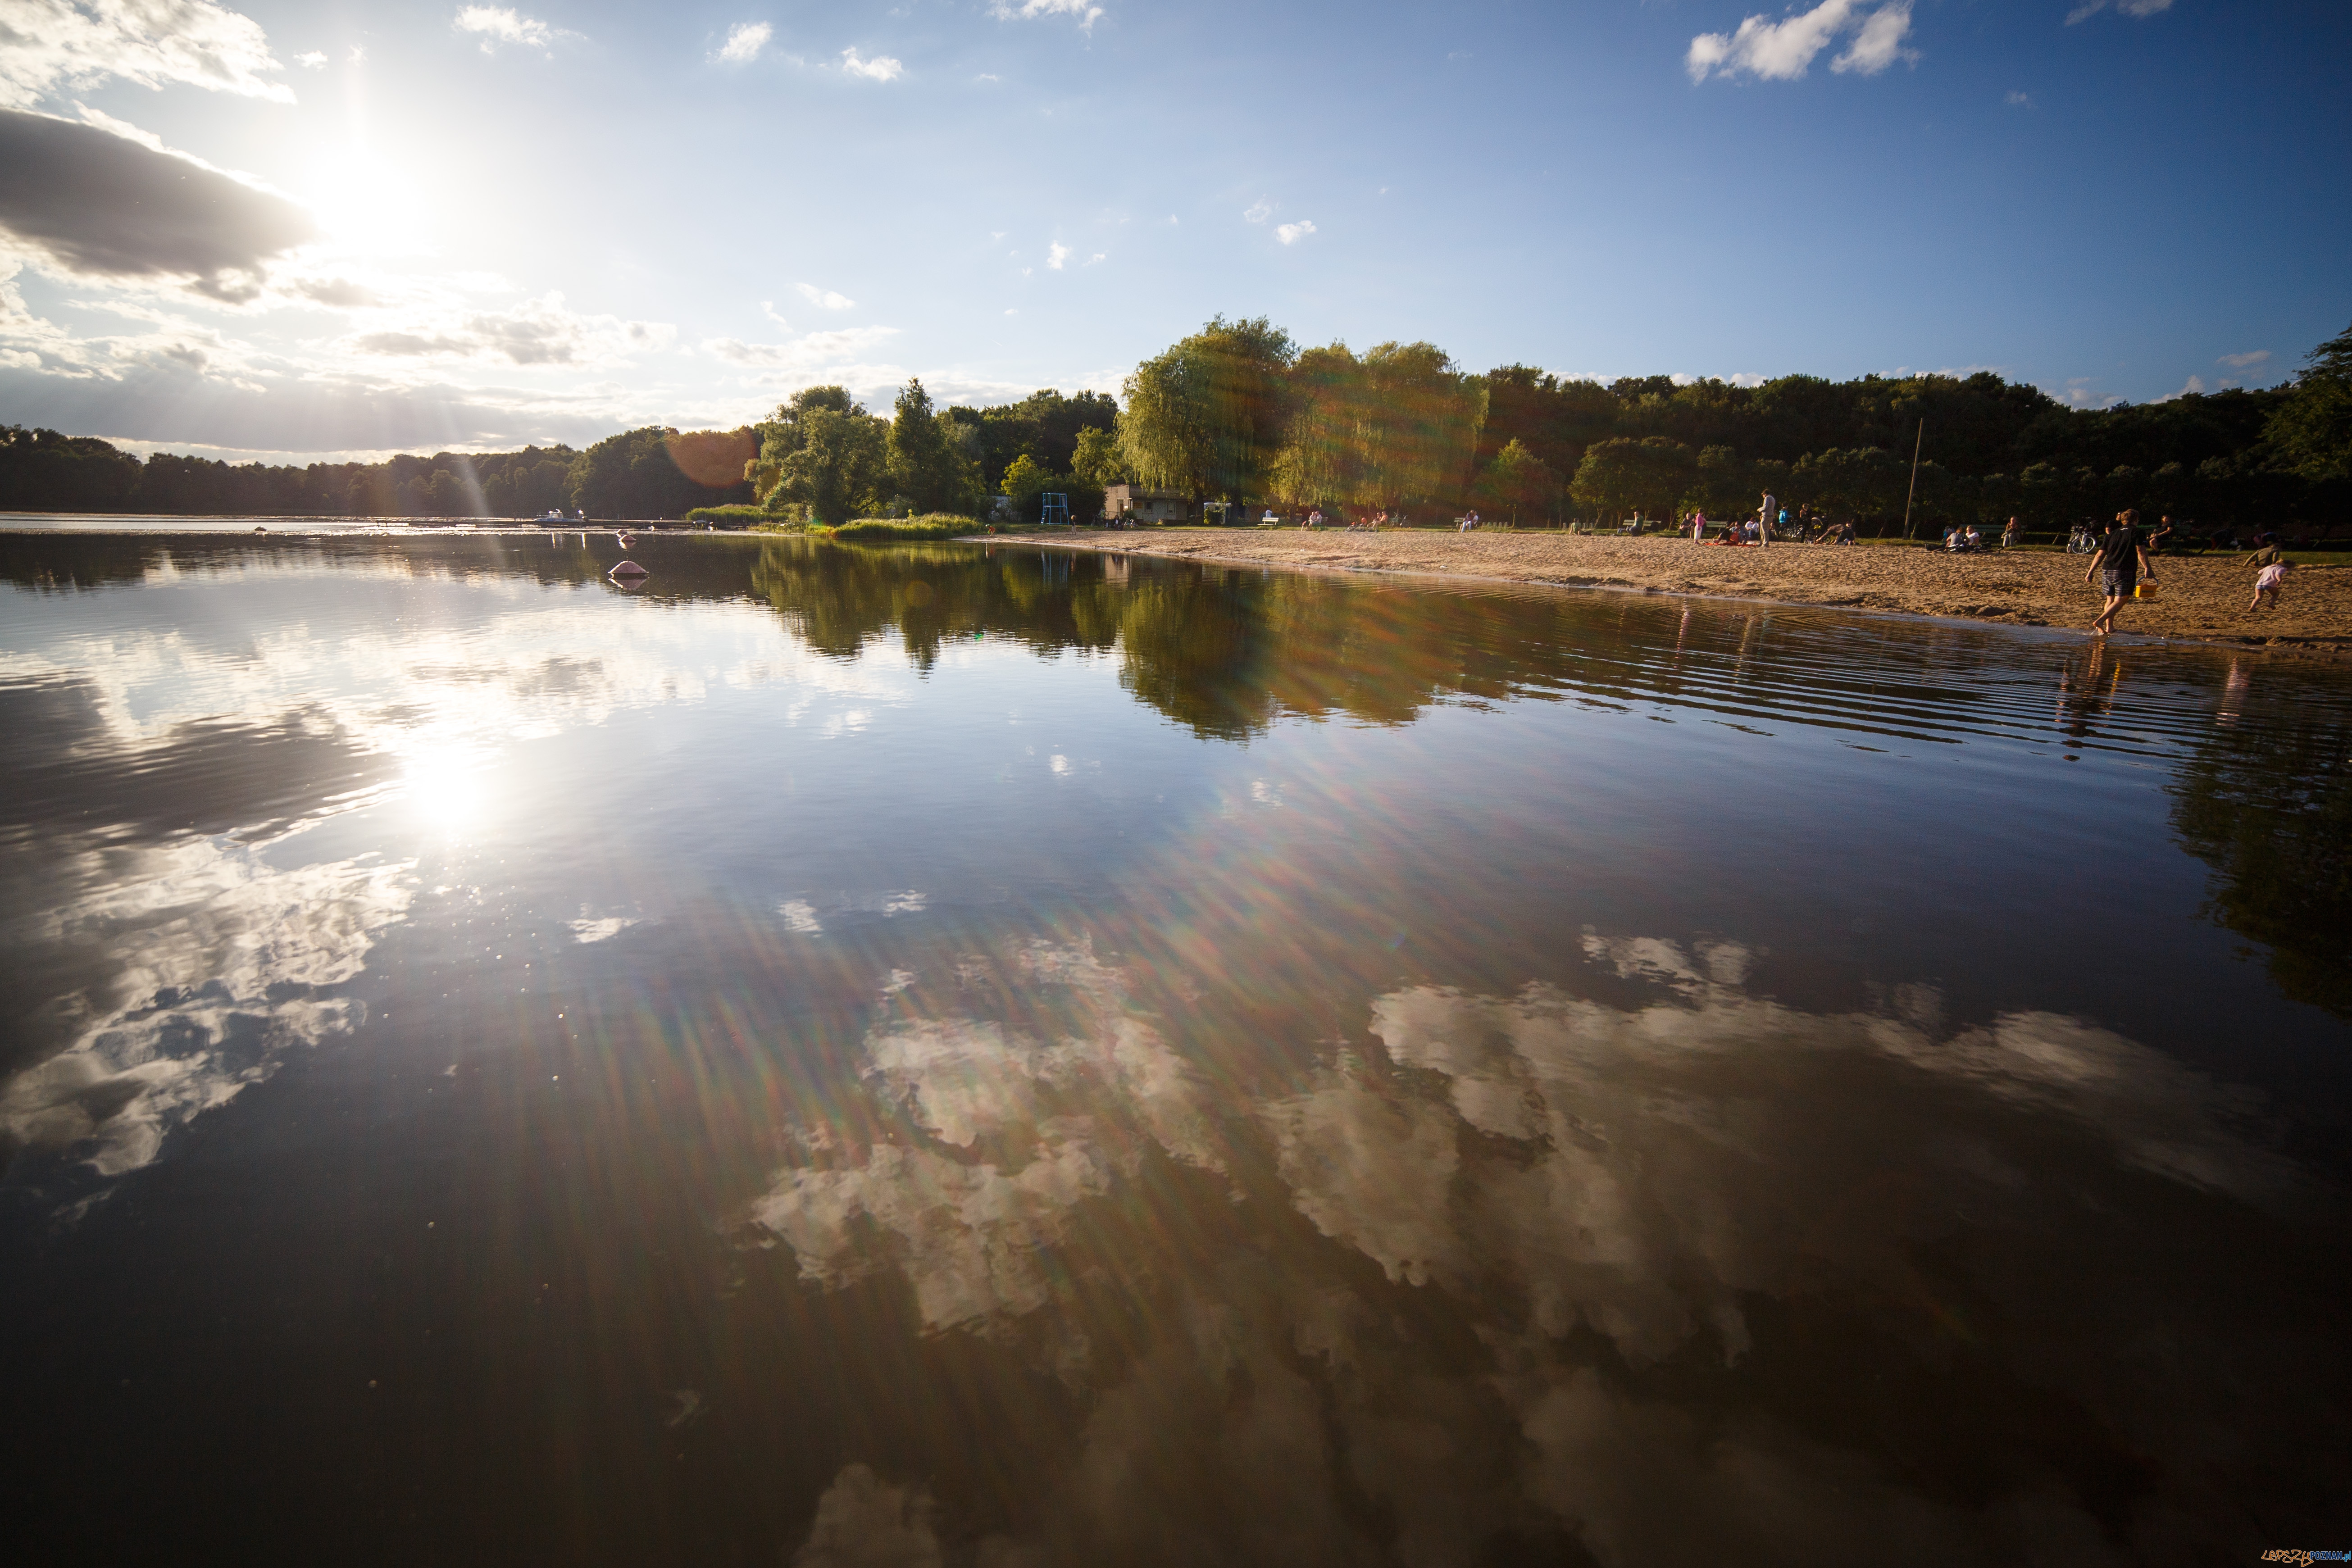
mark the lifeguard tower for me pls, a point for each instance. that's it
(1057, 510)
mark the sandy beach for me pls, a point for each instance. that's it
(2199, 597)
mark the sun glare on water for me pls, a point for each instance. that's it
(452, 786)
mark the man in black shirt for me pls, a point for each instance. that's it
(2121, 562)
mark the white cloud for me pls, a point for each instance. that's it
(497, 25)
(881, 67)
(744, 42)
(2194, 388)
(808, 350)
(988, 76)
(315, 61)
(1879, 43)
(1257, 211)
(1292, 233)
(825, 298)
(193, 43)
(2245, 361)
(768, 309)
(1098, 256)
(358, 54)
(2078, 393)
(1055, 253)
(1784, 50)
(537, 331)
(1026, 10)
(2090, 8)
(2016, 97)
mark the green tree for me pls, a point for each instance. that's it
(1517, 482)
(786, 432)
(1623, 475)
(1207, 416)
(2312, 429)
(1721, 485)
(1025, 479)
(839, 463)
(1097, 459)
(926, 459)
(1419, 433)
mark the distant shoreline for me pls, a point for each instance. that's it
(2200, 599)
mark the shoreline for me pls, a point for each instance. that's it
(2202, 599)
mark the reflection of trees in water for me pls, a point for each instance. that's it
(1224, 653)
(841, 597)
(2268, 804)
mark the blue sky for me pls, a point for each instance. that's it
(423, 225)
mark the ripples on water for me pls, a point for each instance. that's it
(923, 1056)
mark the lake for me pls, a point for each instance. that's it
(935, 1054)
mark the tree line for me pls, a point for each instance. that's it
(1239, 412)
(824, 458)
(654, 472)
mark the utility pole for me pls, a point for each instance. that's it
(1915, 476)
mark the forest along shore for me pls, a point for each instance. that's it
(2202, 598)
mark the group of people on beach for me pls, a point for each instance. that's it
(1772, 518)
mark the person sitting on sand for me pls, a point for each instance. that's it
(2009, 535)
(2267, 584)
(2121, 561)
(1972, 539)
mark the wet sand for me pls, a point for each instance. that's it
(2201, 597)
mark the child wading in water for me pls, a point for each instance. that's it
(2267, 584)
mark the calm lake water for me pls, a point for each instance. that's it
(912, 1055)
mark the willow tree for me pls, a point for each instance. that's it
(1207, 416)
(1418, 435)
(1400, 426)
(1322, 455)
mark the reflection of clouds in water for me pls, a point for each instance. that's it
(225, 955)
(547, 661)
(1684, 1152)
(863, 1521)
(968, 1231)
(1655, 1172)
(588, 928)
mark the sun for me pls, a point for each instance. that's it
(366, 204)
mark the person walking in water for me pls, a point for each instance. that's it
(1764, 516)
(2121, 561)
